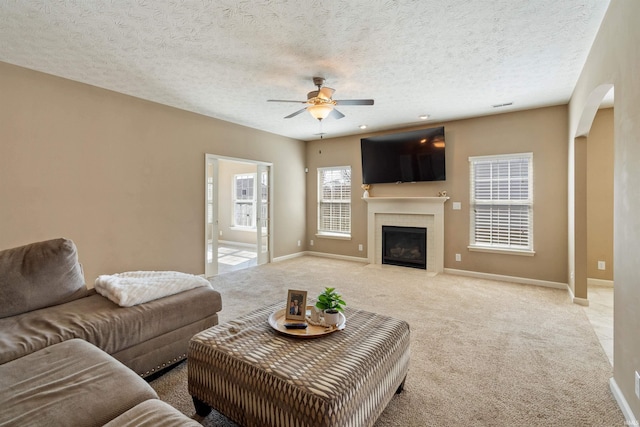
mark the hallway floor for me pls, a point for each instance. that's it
(600, 314)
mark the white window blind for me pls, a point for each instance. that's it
(502, 201)
(334, 200)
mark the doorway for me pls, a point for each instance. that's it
(600, 280)
(595, 188)
(238, 214)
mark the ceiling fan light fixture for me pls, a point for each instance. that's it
(320, 111)
(320, 102)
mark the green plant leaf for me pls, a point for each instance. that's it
(330, 299)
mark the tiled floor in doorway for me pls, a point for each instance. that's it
(233, 258)
(600, 314)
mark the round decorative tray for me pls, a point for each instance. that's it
(278, 319)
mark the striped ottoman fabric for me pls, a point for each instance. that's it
(259, 377)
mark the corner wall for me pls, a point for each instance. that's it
(615, 59)
(600, 196)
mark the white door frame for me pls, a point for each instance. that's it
(210, 215)
(263, 225)
(265, 253)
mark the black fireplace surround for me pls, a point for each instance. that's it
(404, 246)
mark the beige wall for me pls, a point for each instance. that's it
(123, 177)
(600, 196)
(541, 131)
(615, 59)
(336, 152)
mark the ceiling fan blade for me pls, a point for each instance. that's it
(296, 113)
(286, 100)
(355, 102)
(336, 114)
(325, 93)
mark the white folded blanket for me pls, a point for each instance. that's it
(137, 287)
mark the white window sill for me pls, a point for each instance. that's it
(236, 228)
(335, 236)
(505, 251)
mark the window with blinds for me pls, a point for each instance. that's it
(334, 201)
(502, 202)
(245, 192)
(243, 203)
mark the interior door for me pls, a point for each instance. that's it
(211, 216)
(263, 213)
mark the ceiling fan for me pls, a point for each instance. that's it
(320, 104)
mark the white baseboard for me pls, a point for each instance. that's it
(513, 279)
(580, 301)
(290, 256)
(522, 280)
(334, 256)
(499, 277)
(630, 418)
(322, 255)
(600, 282)
(590, 282)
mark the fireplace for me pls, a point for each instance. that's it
(426, 212)
(404, 246)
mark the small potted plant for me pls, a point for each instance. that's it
(331, 303)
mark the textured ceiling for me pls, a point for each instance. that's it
(446, 58)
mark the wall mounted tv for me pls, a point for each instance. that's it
(404, 157)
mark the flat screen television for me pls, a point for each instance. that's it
(413, 156)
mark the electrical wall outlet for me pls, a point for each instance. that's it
(360, 247)
(601, 265)
(458, 257)
(638, 384)
(456, 206)
(311, 242)
(298, 243)
(221, 232)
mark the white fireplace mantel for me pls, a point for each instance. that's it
(428, 209)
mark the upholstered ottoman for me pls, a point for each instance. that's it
(72, 383)
(258, 377)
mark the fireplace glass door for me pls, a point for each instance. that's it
(404, 246)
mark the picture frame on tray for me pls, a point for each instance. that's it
(296, 305)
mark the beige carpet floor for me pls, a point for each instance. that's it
(483, 353)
